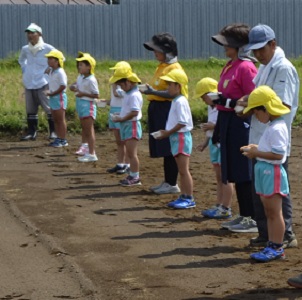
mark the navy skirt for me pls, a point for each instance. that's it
(233, 132)
(158, 112)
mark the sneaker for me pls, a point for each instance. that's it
(237, 219)
(88, 158)
(156, 187)
(183, 203)
(166, 188)
(220, 213)
(268, 254)
(295, 281)
(210, 210)
(58, 143)
(290, 242)
(258, 241)
(130, 181)
(83, 150)
(247, 224)
(172, 203)
(117, 168)
(124, 170)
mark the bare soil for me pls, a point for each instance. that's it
(104, 241)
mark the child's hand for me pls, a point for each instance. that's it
(149, 90)
(164, 134)
(201, 147)
(250, 150)
(207, 126)
(73, 88)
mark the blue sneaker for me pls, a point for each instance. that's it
(172, 203)
(210, 210)
(268, 254)
(184, 203)
(58, 143)
(220, 213)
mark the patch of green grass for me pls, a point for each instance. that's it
(12, 99)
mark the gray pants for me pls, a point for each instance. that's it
(260, 217)
(34, 98)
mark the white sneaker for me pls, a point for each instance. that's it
(156, 187)
(246, 225)
(237, 219)
(88, 158)
(166, 188)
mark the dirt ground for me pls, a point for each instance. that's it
(72, 225)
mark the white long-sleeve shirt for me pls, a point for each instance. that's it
(34, 66)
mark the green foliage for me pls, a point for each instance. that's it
(12, 109)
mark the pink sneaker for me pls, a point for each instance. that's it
(83, 150)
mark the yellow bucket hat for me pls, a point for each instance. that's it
(124, 72)
(90, 59)
(204, 86)
(121, 64)
(264, 95)
(57, 54)
(179, 76)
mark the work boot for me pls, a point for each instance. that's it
(51, 125)
(32, 125)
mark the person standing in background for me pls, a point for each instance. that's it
(277, 72)
(236, 80)
(35, 79)
(164, 47)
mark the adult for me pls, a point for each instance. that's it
(34, 65)
(277, 72)
(164, 47)
(236, 79)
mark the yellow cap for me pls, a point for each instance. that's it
(121, 64)
(204, 86)
(90, 59)
(57, 54)
(265, 96)
(124, 73)
(179, 76)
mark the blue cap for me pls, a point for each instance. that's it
(259, 36)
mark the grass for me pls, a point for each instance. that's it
(12, 100)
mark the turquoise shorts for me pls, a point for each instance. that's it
(111, 124)
(181, 143)
(58, 101)
(270, 179)
(85, 109)
(131, 130)
(215, 155)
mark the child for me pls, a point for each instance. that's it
(83, 149)
(116, 100)
(271, 181)
(86, 91)
(222, 209)
(57, 96)
(131, 113)
(178, 127)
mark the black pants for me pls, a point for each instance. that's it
(170, 170)
(245, 198)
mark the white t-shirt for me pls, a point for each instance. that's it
(87, 85)
(180, 113)
(132, 101)
(275, 139)
(56, 79)
(212, 118)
